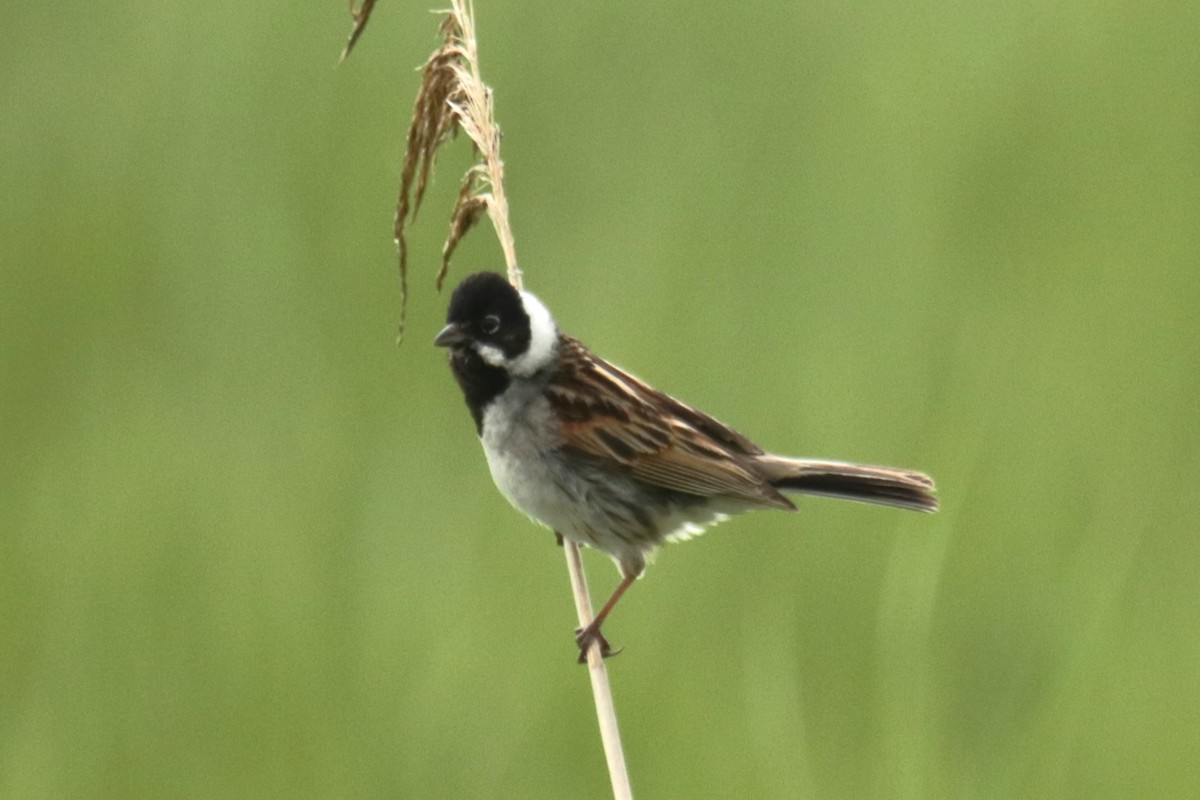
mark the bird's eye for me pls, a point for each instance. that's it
(491, 324)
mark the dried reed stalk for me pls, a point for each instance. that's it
(453, 97)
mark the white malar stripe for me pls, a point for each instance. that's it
(543, 338)
(491, 354)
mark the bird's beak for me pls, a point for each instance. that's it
(451, 336)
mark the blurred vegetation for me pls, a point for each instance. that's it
(249, 549)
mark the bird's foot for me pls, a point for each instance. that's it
(586, 637)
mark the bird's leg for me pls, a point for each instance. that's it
(584, 637)
(558, 539)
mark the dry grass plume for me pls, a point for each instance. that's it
(452, 98)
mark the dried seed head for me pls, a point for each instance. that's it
(452, 97)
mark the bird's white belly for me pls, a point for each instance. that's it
(532, 488)
(517, 445)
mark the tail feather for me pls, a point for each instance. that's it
(888, 486)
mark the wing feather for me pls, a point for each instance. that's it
(626, 424)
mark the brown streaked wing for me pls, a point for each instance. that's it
(612, 415)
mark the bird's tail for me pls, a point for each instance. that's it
(888, 486)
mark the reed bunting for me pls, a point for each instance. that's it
(607, 461)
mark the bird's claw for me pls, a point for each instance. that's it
(585, 637)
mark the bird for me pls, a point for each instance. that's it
(607, 461)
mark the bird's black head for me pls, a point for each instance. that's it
(487, 314)
(495, 334)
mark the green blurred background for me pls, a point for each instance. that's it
(250, 549)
